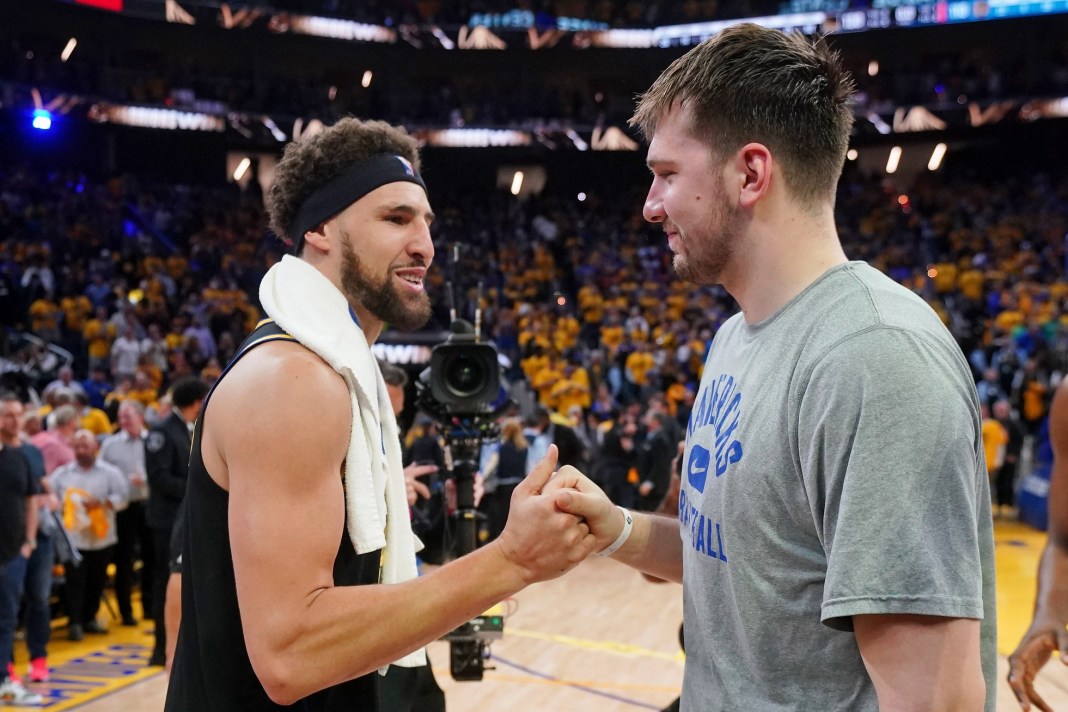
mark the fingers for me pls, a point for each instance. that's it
(420, 489)
(581, 504)
(1022, 671)
(413, 470)
(1020, 689)
(566, 476)
(540, 475)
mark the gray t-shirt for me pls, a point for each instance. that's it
(833, 467)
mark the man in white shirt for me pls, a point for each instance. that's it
(126, 451)
(91, 492)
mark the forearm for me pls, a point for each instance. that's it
(31, 519)
(343, 632)
(654, 547)
(1051, 600)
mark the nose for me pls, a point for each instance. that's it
(653, 210)
(421, 247)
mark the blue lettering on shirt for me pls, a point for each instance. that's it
(719, 405)
(705, 534)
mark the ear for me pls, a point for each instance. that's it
(318, 238)
(752, 168)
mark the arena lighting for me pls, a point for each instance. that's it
(582, 197)
(937, 155)
(367, 76)
(517, 182)
(273, 128)
(895, 158)
(442, 38)
(873, 68)
(577, 140)
(242, 168)
(42, 119)
(852, 154)
(475, 138)
(68, 50)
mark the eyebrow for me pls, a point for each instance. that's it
(658, 162)
(409, 210)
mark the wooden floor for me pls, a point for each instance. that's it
(599, 639)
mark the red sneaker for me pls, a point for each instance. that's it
(39, 670)
(12, 675)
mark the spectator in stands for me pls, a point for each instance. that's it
(1005, 479)
(65, 381)
(125, 352)
(92, 419)
(92, 492)
(167, 467)
(18, 537)
(38, 581)
(56, 443)
(125, 450)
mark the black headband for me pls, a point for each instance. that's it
(346, 188)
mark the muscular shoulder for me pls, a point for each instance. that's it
(278, 392)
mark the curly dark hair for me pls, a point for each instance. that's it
(314, 160)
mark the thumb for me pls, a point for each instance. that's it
(539, 476)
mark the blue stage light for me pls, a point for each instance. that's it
(42, 119)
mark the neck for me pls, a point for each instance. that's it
(10, 441)
(782, 255)
(370, 325)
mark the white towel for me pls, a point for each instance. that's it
(313, 311)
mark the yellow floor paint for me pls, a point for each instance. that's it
(98, 666)
(1017, 549)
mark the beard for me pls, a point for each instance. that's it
(708, 250)
(403, 311)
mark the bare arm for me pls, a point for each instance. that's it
(31, 526)
(287, 516)
(1047, 633)
(654, 546)
(920, 663)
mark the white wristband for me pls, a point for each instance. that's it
(628, 527)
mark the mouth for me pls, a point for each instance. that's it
(411, 279)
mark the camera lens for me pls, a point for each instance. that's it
(465, 376)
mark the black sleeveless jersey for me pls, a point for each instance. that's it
(211, 670)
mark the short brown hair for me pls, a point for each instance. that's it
(312, 161)
(751, 83)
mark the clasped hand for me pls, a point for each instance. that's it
(556, 520)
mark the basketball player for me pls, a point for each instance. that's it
(299, 566)
(1047, 633)
(836, 549)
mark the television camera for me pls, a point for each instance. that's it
(461, 391)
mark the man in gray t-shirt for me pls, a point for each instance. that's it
(834, 538)
(833, 468)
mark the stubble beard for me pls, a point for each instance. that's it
(404, 312)
(708, 250)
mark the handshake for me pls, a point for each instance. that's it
(556, 520)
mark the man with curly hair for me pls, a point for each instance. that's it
(299, 560)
